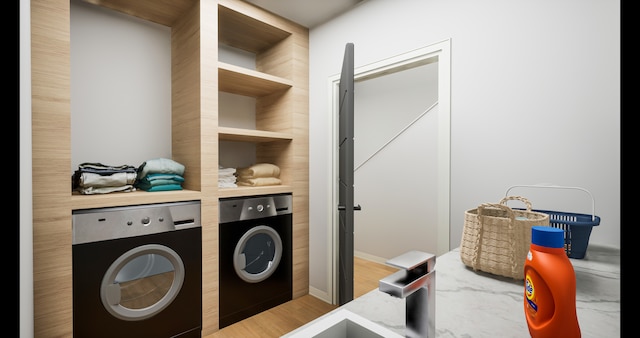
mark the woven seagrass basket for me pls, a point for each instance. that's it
(496, 238)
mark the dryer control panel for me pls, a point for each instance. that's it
(254, 207)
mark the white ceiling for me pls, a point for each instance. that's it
(308, 13)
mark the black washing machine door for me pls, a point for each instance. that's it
(144, 286)
(142, 282)
(257, 254)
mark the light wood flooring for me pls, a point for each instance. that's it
(293, 314)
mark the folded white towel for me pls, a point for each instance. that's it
(227, 171)
(227, 179)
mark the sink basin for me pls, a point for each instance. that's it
(342, 324)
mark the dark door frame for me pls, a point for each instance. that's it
(442, 51)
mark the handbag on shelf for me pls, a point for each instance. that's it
(496, 238)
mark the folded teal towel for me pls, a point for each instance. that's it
(155, 177)
(164, 187)
(160, 166)
(147, 185)
(154, 180)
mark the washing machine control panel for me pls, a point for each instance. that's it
(259, 209)
(94, 225)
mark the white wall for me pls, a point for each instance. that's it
(395, 163)
(120, 87)
(535, 98)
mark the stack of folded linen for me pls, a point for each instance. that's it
(259, 174)
(97, 178)
(226, 177)
(160, 174)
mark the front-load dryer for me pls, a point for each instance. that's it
(137, 271)
(255, 248)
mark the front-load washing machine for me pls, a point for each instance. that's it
(137, 271)
(255, 248)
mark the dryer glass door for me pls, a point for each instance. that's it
(257, 254)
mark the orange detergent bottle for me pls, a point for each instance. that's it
(549, 286)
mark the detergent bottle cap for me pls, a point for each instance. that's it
(547, 236)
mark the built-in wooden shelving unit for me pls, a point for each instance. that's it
(279, 84)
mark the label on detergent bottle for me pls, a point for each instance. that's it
(530, 293)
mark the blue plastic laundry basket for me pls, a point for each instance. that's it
(577, 227)
(577, 230)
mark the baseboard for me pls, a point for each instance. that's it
(322, 295)
(370, 257)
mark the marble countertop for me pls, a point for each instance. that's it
(478, 304)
